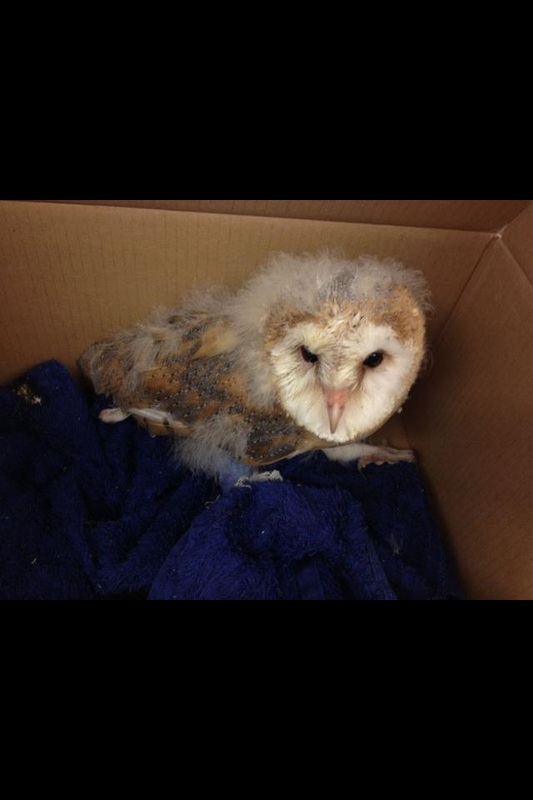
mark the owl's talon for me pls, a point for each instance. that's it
(384, 455)
(256, 477)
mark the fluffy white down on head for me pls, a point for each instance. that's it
(307, 280)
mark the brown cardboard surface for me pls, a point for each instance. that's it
(470, 420)
(392, 434)
(70, 274)
(74, 272)
(518, 236)
(473, 215)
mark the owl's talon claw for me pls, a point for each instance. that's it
(256, 477)
(384, 455)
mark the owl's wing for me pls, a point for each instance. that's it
(189, 384)
(164, 373)
(103, 366)
(170, 338)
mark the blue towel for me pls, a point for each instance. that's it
(96, 511)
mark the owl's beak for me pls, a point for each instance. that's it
(335, 401)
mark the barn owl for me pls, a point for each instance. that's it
(315, 351)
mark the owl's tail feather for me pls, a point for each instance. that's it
(101, 363)
(156, 422)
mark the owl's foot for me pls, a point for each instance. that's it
(366, 454)
(237, 475)
(384, 455)
(272, 475)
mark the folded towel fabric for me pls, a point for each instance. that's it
(96, 511)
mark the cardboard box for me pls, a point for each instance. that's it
(74, 271)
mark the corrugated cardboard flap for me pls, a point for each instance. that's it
(466, 215)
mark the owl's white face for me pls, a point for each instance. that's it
(342, 374)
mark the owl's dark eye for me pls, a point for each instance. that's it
(307, 355)
(374, 359)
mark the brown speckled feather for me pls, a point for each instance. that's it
(193, 384)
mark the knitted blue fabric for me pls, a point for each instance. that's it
(89, 510)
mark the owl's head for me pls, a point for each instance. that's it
(343, 340)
